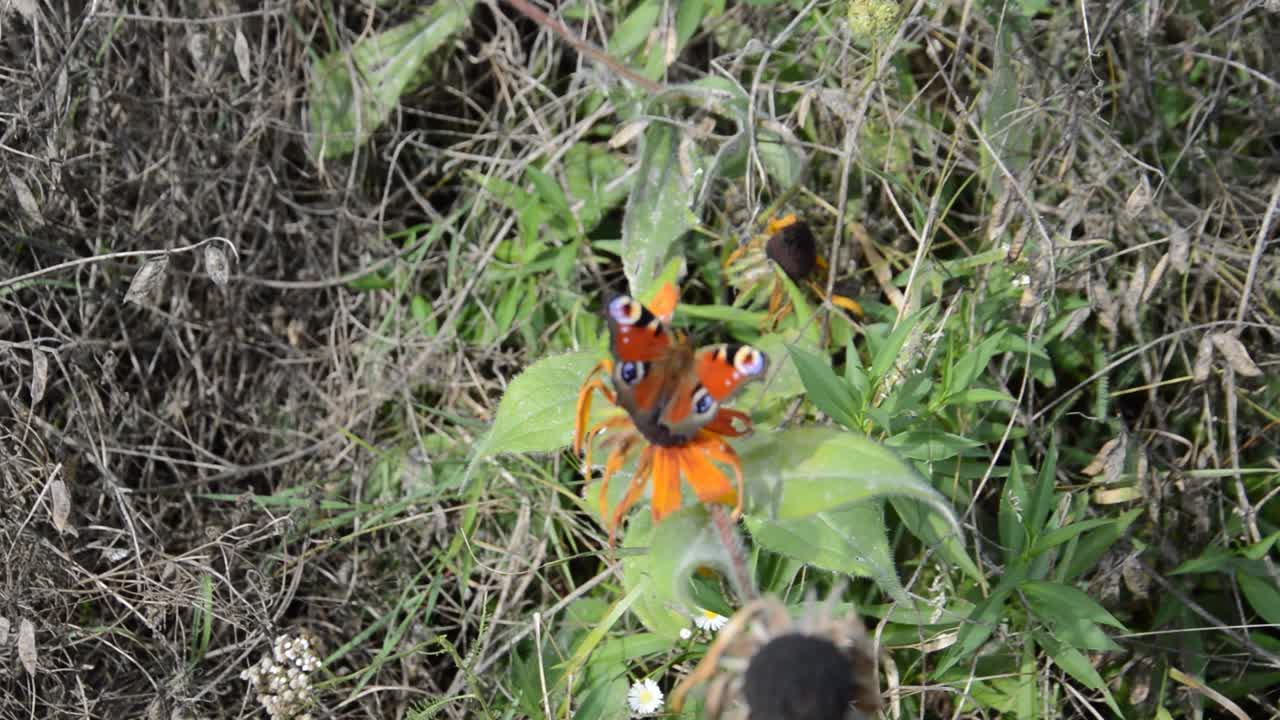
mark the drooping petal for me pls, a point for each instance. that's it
(666, 481)
(707, 480)
(643, 470)
(718, 450)
(614, 463)
(583, 409)
(723, 422)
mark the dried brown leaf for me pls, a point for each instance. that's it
(215, 263)
(1132, 299)
(1235, 354)
(629, 132)
(1099, 462)
(1114, 466)
(147, 279)
(1139, 198)
(999, 219)
(1102, 303)
(1204, 359)
(1157, 273)
(1179, 249)
(1075, 322)
(60, 501)
(26, 199)
(1135, 578)
(39, 374)
(243, 62)
(27, 646)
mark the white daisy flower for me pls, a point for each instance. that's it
(645, 697)
(685, 633)
(708, 621)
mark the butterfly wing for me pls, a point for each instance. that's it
(638, 339)
(717, 373)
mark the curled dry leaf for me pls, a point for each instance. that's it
(39, 374)
(1102, 303)
(1235, 354)
(27, 199)
(242, 56)
(1139, 198)
(61, 502)
(27, 646)
(999, 219)
(147, 279)
(1156, 274)
(1100, 461)
(629, 132)
(1179, 249)
(1135, 578)
(1204, 359)
(1133, 295)
(215, 263)
(1075, 322)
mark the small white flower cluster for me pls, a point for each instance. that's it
(283, 680)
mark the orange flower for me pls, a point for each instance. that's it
(664, 457)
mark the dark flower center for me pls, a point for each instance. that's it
(799, 677)
(793, 248)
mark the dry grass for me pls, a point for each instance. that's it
(282, 455)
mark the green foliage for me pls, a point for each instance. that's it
(354, 90)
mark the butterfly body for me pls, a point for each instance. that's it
(670, 389)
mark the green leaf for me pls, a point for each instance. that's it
(1092, 546)
(825, 389)
(659, 561)
(551, 194)
(354, 91)
(594, 177)
(1060, 535)
(1077, 665)
(658, 211)
(973, 396)
(536, 413)
(973, 362)
(887, 354)
(634, 31)
(975, 630)
(1074, 615)
(780, 158)
(1037, 511)
(935, 531)
(1262, 596)
(930, 445)
(851, 541)
(804, 471)
(1013, 498)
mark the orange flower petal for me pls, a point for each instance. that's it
(718, 450)
(666, 481)
(708, 482)
(612, 465)
(722, 423)
(634, 491)
(583, 410)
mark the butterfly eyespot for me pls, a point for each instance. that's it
(703, 403)
(630, 373)
(748, 361)
(624, 310)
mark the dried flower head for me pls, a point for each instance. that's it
(767, 666)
